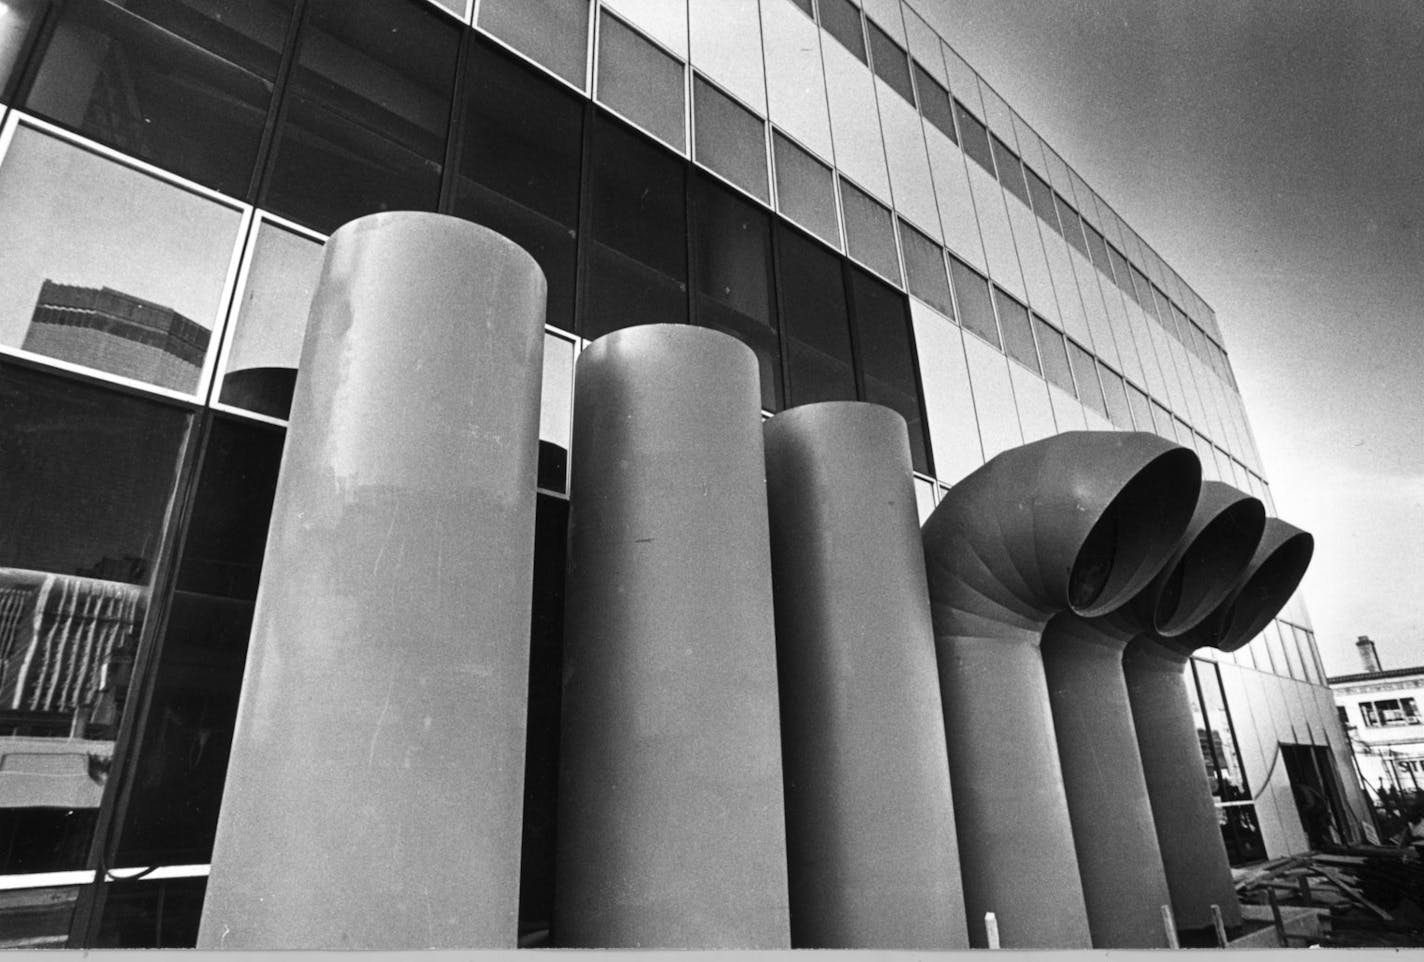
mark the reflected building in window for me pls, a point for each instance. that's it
(117, 333)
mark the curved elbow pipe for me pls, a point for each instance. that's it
(1080, 522)
(1198, 871)
(1124, 878)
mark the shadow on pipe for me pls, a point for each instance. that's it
(1079, 522)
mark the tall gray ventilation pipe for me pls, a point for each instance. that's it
(1124, 881)
(873, 860)
(671, 824)
(1076, 522)
(374, 794)
(1188, 832)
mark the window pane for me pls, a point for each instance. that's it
(730, 139)
(841, 19)
(732, 276)
(1055, 355)
(16, 26)
(519, 166)
(556, 406)
(934, 103)
(1010, 170)
(924, 263)
(886, 356)
(976, 311)
(367, 112)
(271, 322)
(103, 266)
(870, 231)
(1089, 391)
(185, 85)
(172, 810)
(974, 137)
(553, 33)
(1098, 246)
(88, 480)
(814, 322)
(805, 191)
(1141, 408)
(891, 64)
(1115, 395)
(1042, 197)
(147, 914)
(1018, 334)
(639, 81)
(1072, 226)
(1162, 421)
(637, 270)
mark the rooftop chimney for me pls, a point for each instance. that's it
(1368, 656)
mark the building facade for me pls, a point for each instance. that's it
(829, 182)
(1379, 708)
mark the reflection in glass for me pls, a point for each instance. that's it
(732, 277)
(639, 81)
(144, 914)
(366, 112)
(88, 481)
(556, 413)
(886, 356)
(553, 33)
(107, 267)
(271, 321)
(815, 322)
(637, 270)
(172, 808)
(185, 84)
(16, 26)
(519, 166)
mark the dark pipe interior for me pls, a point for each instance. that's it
(1266, 593)
(1135, 534)
(1209, 567)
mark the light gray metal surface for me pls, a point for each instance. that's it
(874, 862)
(671, 826)
(373, 798)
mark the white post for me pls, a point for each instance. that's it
(991, 929)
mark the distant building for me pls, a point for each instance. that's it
(116, 332)
(1380, 710)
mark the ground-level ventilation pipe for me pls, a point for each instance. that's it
(1080, 522)
(1184, 814)
(1124, 881)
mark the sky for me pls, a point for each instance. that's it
(1272, 152)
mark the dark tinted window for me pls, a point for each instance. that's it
(640, 81)
(1141, 408)
(730, 139)
(815, 324)
(976, 311)
(1010, 170)
(805, 189)
(147, 914)
(185, 84)
(1072, 225)
(924, 263)
(1089, 391)
(519, 166)
(805, 6)
(637, 268)
(870, 231)
(1054, 352)
(1098, 246)
(886, 355)
(974, 137)
(1141, 289)
(732, 276)
(1119, 269)
(84, 498)
(172, 809)
(841, 18)
(1042, 196)
(1115, 394)
(934, 103)
(553, 33)
(1018, 334)
(891, 63)
(366, 112)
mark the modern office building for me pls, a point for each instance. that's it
(826, 180)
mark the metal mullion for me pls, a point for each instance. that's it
(585, 217)
(277, 109)
(455, 124)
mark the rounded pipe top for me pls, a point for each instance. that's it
(1274, 574)
(1216, 549)
(429, 227)
(1079, 521)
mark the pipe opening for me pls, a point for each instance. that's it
(1265, 593)
(1134, 535)
(1210, 567)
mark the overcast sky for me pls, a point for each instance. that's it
(1273, 152)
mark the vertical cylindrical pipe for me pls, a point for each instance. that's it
(373, 796)
(869, 818)
(1124, 883)
(671, 828)
(1184, 815)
